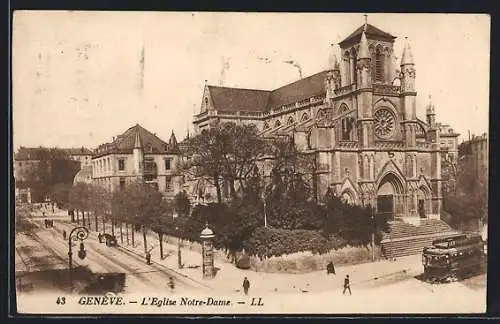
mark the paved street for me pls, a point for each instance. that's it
(51, 252)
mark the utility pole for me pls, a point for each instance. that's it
(373, 233)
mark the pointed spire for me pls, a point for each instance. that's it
(364, 52)
(333, 63)
(138, 142)
(430, 109)
(173, 142)
(407, 57)
(366, 22)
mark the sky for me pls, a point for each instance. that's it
(80, 78)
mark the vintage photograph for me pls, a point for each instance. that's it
(250, 163)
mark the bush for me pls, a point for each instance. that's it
(268, 242)
(243, 262)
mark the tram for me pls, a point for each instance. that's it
(453, 257)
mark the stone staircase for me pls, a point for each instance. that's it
(406, 239)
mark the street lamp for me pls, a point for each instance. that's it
(373, 231)
(81, 233)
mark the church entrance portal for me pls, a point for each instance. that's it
(390, 197)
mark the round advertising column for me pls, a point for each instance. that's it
(207, 236)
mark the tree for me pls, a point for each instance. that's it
(79, 199)
(353, 223)
(60, 194)
(47, 167)
(99, 202)
(144, 205)
(181, 204)
(226, 152)
(468, 203)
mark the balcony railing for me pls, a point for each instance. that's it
(386, 89)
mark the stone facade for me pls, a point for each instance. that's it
(359, 120)
(138, 154)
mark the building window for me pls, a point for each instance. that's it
(121, 164)
(122, 183)
(379, 65)
(347, 129)
(168, 183)
(167, 164)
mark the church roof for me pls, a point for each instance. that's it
(372, 32)
(236, 99)
(252, 100)
(126, 142)
(308, 87)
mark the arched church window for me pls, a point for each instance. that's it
(277, 124)
(304, 117)
(379, 65)
(347, 124)
(266, 125)
(206, 101)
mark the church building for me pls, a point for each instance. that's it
(359, 119)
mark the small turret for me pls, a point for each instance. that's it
(364, 63)
(407, 57)
(172, 143)
(407, 76)
(431, 114)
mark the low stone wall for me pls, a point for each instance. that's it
(303, 262)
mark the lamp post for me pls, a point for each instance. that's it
(373, 232)
(81, 233)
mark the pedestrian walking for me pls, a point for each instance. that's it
(246, 285)
(330, 268)
(171, 284)
(64, 234)
(148, 257)
(347, 285)
(99, 236)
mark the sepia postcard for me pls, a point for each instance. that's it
(250, 163)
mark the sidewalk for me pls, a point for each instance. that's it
(229, 279)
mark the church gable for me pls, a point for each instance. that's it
(390, 167)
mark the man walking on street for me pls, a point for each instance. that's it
(246, 285)
(347, 285)
(171, 284)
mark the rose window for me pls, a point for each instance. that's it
(384, 123)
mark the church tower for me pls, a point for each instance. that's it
(408, 94)
(365, 95)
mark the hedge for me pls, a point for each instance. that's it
(269, 242)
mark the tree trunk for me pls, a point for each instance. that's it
(232, 188)
(104, 223)
(126, 233)
(217, 187)
(77, 217)
(112, 226)
(121, 233)
(96, 223)
(133, 236)
(72, 216)
(83, 217)
(160, 238)
(145, 240)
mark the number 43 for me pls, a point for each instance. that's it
(61, 301)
